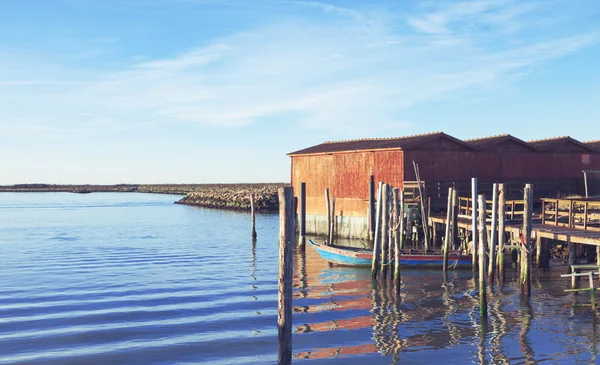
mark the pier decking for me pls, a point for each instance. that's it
(568, 220)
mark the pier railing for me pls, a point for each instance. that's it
(572, 213)
(514, 208)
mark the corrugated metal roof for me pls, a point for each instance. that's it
(555, 143)
(486, 142)
(366, 144)
(594, 145)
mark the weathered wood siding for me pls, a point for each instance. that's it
(347, 177)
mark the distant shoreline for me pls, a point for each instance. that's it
(221, 196)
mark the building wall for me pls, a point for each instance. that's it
(347, 176)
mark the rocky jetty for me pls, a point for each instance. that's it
(221, 196)
(234, 196)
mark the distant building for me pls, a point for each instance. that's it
(554, 166)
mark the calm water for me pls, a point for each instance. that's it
(135, 279)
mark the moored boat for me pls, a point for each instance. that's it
(348, 256)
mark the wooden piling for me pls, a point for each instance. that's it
(284, 306)
(474, 223)
(390, 253)
(447, 234)
(328, 209)
(422, 198)
(384, 228)
(253, 216)
(525, 277)
(377, 235)
(371, 208)
(401, 229)
(482, 258)
(302, 218)
(501, 230)
(332, 220)
(454, 219)
(397, 236)
(538, 252)
(494, 235)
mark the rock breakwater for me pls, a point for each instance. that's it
(234, 196)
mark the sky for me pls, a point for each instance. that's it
(219, 91)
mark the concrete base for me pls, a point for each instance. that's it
(346, 227)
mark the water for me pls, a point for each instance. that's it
(134, 279)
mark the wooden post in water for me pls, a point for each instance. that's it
(474, 223)
(377, 236)
(328, 209)
(391, 239)
(482, 258)
(454, 218)
(401, 229)
(501, 230)
(302, 220)
(538, 252)
(384, 228)
(526, 249)
(253, 216)
(397, 236)
(493, 238)
(332, 220)
(422, 197)
(284, 306)
(447, 235)
(371, 208)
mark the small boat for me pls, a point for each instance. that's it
(349, 256)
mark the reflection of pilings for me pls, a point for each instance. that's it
(526, 317)
(386, 319)
(300, 276)
(483, 330)
(451, 308)
(594, 347)
(253, 265)
(499, 330)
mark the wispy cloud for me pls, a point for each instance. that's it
(354, 71)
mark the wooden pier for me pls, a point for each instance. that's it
(576, 221)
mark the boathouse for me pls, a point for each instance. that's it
(554, 166)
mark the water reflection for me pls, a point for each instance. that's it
(341, 314)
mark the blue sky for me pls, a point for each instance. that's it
(194, 91)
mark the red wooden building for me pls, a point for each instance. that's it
(554, 166)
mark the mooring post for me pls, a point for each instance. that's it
(332, 220)
(474, 223)
(586, 184)
(571, 261)
(302, 220)
(371, 208)
(401, 229)
(384, 228)
(253, 216)
(447, 234)
(398, 236)
(328, 210)
(494, 235)
(284, 306)
(526, 248)
(501, 230)
(390, 257)
(482, 258)
(454, 218)
(377, 235)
